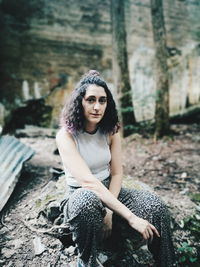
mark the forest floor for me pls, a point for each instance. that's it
(170, 166)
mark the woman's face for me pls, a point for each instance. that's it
(94, 104)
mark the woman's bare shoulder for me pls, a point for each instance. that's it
(114, 137)
(63, 134)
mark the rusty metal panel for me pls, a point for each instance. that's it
(13, 154)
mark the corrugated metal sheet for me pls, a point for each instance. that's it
(13, 154)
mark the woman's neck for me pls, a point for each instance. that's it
(91, 129)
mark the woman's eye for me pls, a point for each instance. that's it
(91, 100)
(102, 100)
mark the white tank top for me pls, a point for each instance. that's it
(95, 151)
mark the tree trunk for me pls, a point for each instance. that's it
(120, 65)
(162, 83)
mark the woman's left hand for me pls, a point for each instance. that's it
(107, 226)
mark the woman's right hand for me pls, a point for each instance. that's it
(146, 229)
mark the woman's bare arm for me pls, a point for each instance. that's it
(116, 164)
(116, 178)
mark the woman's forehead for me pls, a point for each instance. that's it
(95, 90)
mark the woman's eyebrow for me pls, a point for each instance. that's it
(96, 96)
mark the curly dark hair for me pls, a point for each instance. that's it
(72, 116)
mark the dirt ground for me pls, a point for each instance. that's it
(169, 166)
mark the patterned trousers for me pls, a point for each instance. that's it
(85, 212)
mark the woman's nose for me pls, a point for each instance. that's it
(96, 105)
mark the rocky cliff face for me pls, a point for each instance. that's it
(45, 46)
(183, 41)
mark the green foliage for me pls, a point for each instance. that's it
(192, 223)
(187, 254)
(129, 127)
(196, 197)
(144, 128)
(127, 109)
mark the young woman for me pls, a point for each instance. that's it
(89, 145)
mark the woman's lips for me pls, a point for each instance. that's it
(95, 115)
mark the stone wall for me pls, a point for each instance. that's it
(46, 45)
(183, 42)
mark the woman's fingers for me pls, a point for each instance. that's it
(146, 235)
(106, 232)
(145, 228)
(149, 231)
(155, 230)
(150, 234)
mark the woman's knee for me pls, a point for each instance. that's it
(160, 210)
(152, 204)
(84, 201)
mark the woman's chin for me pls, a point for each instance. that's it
(94, 121)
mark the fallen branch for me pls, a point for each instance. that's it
(2, 222)
(189, 150)
(150, 157)
(50, 231)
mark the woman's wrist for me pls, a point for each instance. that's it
(131, 217)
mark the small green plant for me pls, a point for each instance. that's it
(187, 254)
(192, 223)
(188, 251)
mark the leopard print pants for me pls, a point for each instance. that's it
(84, 212)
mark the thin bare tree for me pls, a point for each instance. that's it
(162, 81)
(120, 65)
